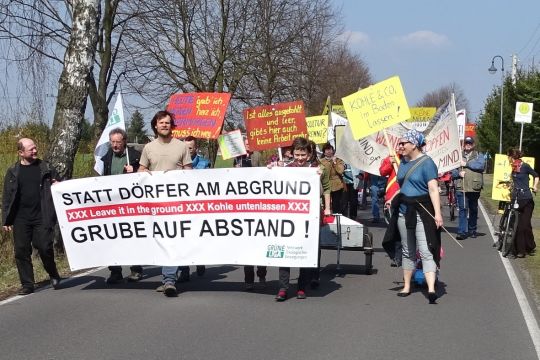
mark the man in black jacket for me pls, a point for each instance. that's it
(28, 210)
(121, 159)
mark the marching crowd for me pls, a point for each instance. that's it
(408, 181)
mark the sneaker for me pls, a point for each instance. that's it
(25, 291)
(301, 294)
(201, 269)
(249, 286)
(473, 234)
(461, 236)
(160, 288)
(134, 276)
(281, 296)
(169, 290)
(55, 283)
(262, 282)
(115, 278)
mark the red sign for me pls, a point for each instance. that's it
(273, 126)
(198, 114)
(470, 130)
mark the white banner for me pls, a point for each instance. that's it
(183, 217)
(116, 120)
(442, 144)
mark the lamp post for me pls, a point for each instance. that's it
(493, 70)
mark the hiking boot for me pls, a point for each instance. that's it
(169, 290)
(25, 291)
(134, 276)
(115, 278)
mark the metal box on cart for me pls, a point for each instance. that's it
(346, 234)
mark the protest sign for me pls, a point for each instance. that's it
(376, 107)
(461, 118)
(273, 126)
(317, 127)
(251, 216)
(198, 114)
(231, 145)
(502, 175)
(420, 117)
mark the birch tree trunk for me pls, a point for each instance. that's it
(73, 86)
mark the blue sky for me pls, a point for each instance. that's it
(430, 44)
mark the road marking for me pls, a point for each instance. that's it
(64, 281)
(526, 309)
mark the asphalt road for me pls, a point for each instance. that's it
(355, 316)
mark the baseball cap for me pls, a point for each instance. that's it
(469, 140)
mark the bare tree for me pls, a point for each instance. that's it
(73, 85)
(437, 98)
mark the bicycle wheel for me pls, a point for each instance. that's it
(452, 204)
(510, 233)
(452, 211)
(502, 230)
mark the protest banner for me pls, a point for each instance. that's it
(317, 128)
(116, 120)
(274, 126)
(502, 175)
(250, 216)
(420, 117)
(198, 114)
(231, 145)
(376, 107)
(470, 130)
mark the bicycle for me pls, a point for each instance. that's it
(451, 200)
(508, 223)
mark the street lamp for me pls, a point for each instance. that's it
(493, 70)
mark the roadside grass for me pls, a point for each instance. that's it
(530, 266)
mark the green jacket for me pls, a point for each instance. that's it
(473, 181)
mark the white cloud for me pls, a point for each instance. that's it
(423, 37)
(354, 38)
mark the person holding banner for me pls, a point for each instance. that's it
(335, 167)
(251, 159)
(197, 162)
(28, 210)
(121, 159)
(521, 172)
(163, 154)
(302, 154)
(469, 183)
(416, 214)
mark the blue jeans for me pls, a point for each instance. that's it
(467, 203)
(375, 202)
(169, 274)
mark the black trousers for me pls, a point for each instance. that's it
(524, 234)
(336, 198)
(249, 273)
(118, 269)
(285, 275)
(26, 235)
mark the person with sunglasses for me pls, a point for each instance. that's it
(416, 214)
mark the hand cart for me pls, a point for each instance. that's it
(349, 235)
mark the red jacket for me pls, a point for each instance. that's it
(392, 186)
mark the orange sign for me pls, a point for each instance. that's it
(198, 114)
(470, 130)
(273, 126)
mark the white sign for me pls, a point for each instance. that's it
(231, 144)
(249, 216)
(461, 117)
(524, 112)
(116, 120)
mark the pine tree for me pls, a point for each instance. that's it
(136, 132)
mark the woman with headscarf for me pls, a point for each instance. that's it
(416, 214)
(521, 172)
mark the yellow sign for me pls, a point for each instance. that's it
(502, 176)
(419, 114)
(376, 107)
(317, 127)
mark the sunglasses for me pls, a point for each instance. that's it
(403, 143)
